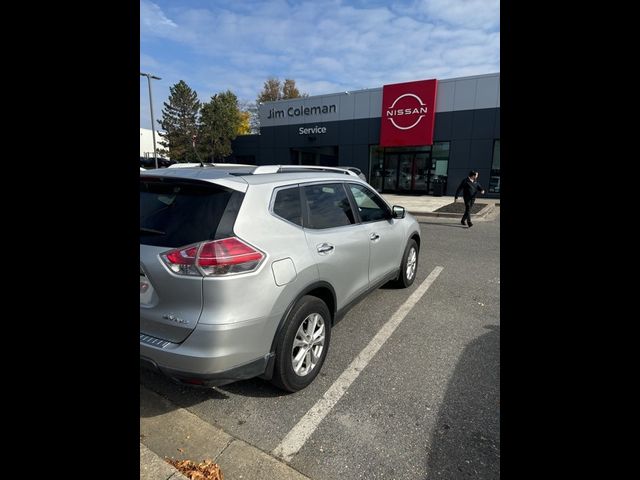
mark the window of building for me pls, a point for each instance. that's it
(439, 167)
(328, 206)
(376, 160)
(370, 206)
(494, 181)
(287, 205)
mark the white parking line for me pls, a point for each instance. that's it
(296, 438)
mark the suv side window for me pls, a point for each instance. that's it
(327, 206)
(370, 206)
(287, 205)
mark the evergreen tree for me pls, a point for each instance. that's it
(220, 121)
(180, 123)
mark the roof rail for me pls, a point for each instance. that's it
(262, 169)
(204, 165)
(267, 169)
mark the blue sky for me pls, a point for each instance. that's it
(326, 46)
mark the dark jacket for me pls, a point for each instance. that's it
(469, 189)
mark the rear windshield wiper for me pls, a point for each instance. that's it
(152, 231)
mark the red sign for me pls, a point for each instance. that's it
(408, 113)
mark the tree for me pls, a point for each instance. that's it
(245, 127)
(250, 109)
(220, 121)
(289, 89)
(274, 90)
(180, 123)
(271, 91)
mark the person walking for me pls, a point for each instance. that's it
(469, 188)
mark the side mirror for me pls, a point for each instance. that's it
(398, 212)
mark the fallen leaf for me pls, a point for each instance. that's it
(206, 470)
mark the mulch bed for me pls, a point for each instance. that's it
(458, 207)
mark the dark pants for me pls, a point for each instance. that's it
(468, 203)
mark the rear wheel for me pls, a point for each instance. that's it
(303, 344)
(409, 265)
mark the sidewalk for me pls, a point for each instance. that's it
(426, 205)
(152, 467)
(169, 431)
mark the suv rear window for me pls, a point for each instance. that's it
(177, 213)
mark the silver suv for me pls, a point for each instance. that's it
(244, 274)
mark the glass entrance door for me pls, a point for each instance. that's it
(407, 172)
(421, 172)
(390, 172)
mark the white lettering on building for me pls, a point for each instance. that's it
(307, 131)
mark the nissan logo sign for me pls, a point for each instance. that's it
(406, 114)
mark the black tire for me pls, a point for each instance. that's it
(284, 374)
(406, 279)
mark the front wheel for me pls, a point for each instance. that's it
(409, 265)
(303, 344)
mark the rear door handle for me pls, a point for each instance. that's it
(325, 248)
(374, 237)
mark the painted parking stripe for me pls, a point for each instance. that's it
(296, 438)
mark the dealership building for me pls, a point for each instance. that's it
(419, 137)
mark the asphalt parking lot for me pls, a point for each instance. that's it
(426, 404)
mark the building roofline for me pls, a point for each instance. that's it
(336, 94)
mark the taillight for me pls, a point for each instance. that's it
(183, 260)
(218, 257)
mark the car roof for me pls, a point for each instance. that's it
(244, 175)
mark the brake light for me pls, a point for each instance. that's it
(182, 261)
(218, 257)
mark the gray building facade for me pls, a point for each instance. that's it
(343, 129)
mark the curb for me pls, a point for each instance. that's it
(152, 467)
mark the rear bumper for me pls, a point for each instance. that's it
(213, 354)
(243, 372)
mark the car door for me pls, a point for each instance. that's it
(385, 234)
(338, 244)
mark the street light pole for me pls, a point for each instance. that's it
(153, 129)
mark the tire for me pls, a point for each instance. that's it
(294, 370)
(409, 265)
